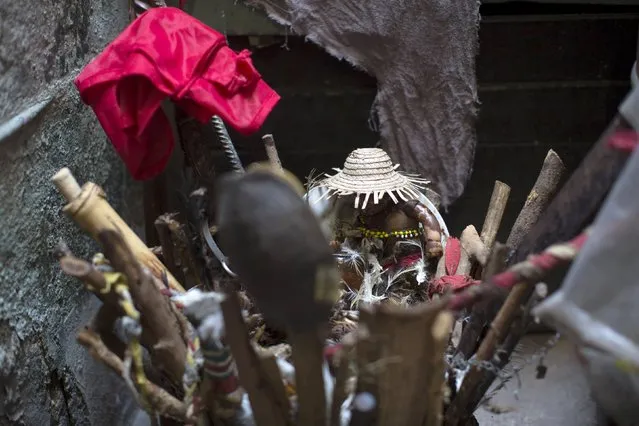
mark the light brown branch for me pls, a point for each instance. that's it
(341, 376)
(474, 246)
(261, 391)
(539, 197)
(163, 335)
(496, 208)
(169, 255)
(478, 319)
(492, 221)
(160, 400)
(400, 362)
(309, 381)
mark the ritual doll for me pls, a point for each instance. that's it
(383, 228)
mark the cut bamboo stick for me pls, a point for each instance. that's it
(88, 207)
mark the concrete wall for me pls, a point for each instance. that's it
(45, 376)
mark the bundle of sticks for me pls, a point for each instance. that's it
(209, 356)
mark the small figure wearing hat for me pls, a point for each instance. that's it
(378, 204)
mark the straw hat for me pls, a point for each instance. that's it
(370, 171)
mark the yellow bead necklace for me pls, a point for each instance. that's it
(406, 233)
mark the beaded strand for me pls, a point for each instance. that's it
(407, 233)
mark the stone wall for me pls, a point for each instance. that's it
(45, 376)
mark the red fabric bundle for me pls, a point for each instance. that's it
(167, 53)
(451, 281)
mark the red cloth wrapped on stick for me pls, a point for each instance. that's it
(166, 53)
(451, 281)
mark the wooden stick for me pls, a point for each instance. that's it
(160, 400)
(401, 361)
(269, 366)
(162, 226)
(308, 358)
(540, 195)
(475, 326)
(181, 254)
(474, 247)
(526, 274)
(271, 151)
(570, 211)
(266, 410)
(492, 221)
(496, 208)
(339, 390)
(434, 400)
(92, 212)
(468, 395)
(579, 199)
(531, 270)
(164, 325)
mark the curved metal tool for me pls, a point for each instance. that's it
(208, 238)
(231, 155)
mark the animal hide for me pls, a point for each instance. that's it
(423, 56)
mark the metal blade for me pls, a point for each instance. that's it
(225, 140)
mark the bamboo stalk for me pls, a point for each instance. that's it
(88, 207)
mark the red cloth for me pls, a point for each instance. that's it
(451, 281)
(166, 53)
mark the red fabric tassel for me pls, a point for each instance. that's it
(166, 53)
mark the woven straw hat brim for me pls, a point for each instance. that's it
(370, 171)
